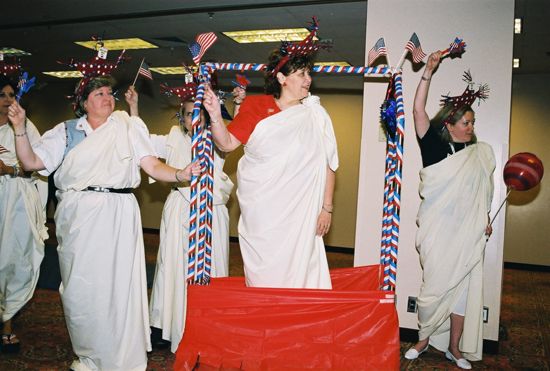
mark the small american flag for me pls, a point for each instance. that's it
(201, 44)
(413, 45)
(377, 50)
(145, 71)
(3, 149)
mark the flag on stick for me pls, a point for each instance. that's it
(413, 45)
(144, 71)
(201, 44)
(377, 50)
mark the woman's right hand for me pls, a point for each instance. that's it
(16, 115)
(433, 61)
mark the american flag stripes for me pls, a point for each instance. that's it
(145, 71)
(377, 50)
(413, 45)
(3, 149)
(201, 44)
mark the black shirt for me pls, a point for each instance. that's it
(434, 149)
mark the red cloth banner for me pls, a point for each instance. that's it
(354, 326)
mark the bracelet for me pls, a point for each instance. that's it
(329, 210)
(15, 171)
(176, 176)
(20, 135)
(426, 78)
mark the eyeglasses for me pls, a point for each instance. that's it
(7, 95)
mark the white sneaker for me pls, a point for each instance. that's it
(413, 353)
(461, 362)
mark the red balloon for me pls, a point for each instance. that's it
(523, 171)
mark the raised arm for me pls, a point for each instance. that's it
(238, 96)
(29, 160)
(132, 98)
(421, 119)
(224, 140)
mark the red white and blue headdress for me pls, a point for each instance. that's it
(467, 98)
(305, 47)
(97, 66)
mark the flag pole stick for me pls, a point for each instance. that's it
(137, 74)
(402, 59)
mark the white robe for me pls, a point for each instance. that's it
(456, 198)
(101, 251)
(168, 298)
(281, 183)
(22, 229)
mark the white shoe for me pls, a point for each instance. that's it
(413, 353)
(461, 362)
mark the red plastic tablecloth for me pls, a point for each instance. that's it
(351, 327)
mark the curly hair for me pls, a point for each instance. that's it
(272, 85)
(444, 116)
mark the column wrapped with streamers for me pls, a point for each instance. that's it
(393, 118)
(201, 197)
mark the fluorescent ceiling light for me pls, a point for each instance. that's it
(176, 70)
(266, 36)
(119, 44)
(515, 63)
(64, 74)
(13, 52)
(339, 64)
(517, 25)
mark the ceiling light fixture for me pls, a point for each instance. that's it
(517, 25)
(64, 74)
(515, 63)
(175, 70)
(266, 36)
(12, 52)
(119, 44)
(338, 64)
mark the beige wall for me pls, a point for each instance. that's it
(527, 213)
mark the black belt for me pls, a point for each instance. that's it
(109, 190)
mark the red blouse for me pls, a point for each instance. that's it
(254, 109)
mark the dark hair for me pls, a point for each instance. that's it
(5, 81)
(443, 116)
(93, 84)
(272, 85)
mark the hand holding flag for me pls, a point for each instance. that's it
(144, 71)
(201, 44)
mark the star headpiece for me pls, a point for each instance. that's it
(97, 66)
(305, 47)
(468, 97)
(8, 68)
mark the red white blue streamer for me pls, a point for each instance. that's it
(392, 194)
(201, 195)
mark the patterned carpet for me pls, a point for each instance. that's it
(525, 324)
